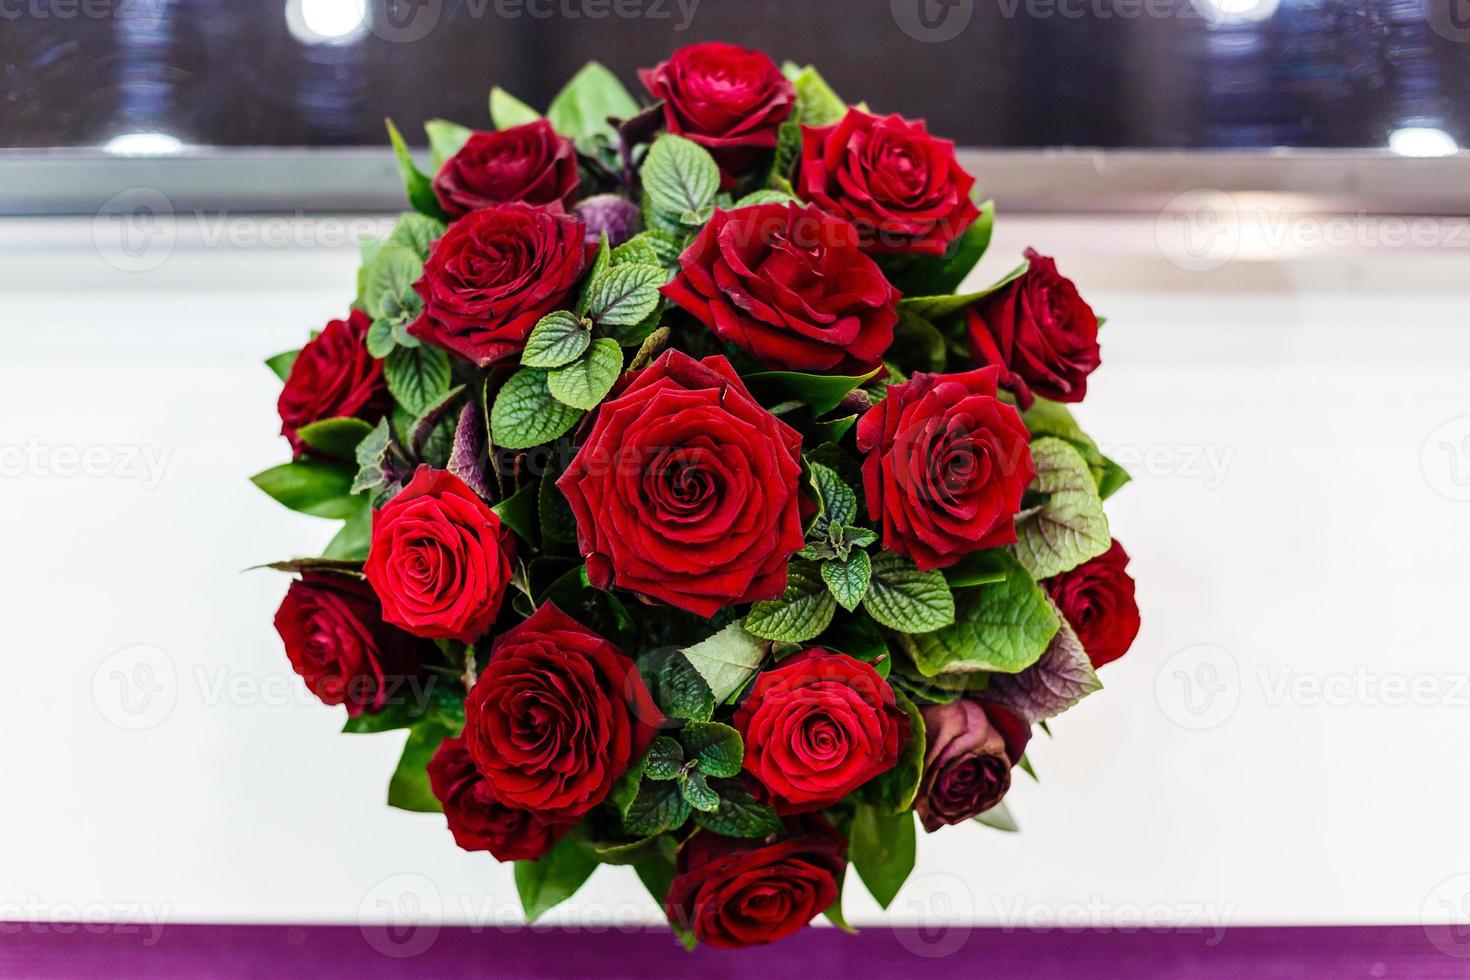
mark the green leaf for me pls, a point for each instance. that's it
(658, 807)
(677, 687)
(727, 659)
(445, 139)
(1112, 479)
(1003, 626)
(820, 391)
(816, 103)
(417, 377)
(519, 512)
(894, 790)
(1049, 418)
(409, 788)
(848, 580)
(903, 598)
(679, 175)
(582, 108)
(371, 454)
(718, 749)
(352, 541)
(625, 790)
(937, 275)
(311, 486)
(1062, 677)
(739, 814)
(507, 111)
(632, 852)
(380, 339)
(882, 850)
(558, 523)
(999, 817)
(586, 381)
(979, 568)
(419, 187)
(525, 414)
(697, 793)
(838, 502)
(756, 198)
(281, 363)
(1070, 527)
(415, 232)
(802, 612)
(546, 883)
(601, 262)
(665, 759)
(937, 308)
(388, 283)
(625, 295)
(917, 344)
(638, 250)
(337, 437)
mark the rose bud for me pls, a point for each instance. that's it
(493, 275)
(1097, 599)
(730, 100)
(529, 163)
(333, 376)
(686, 490)
(337, 641)
(901, 187)
(971, 748)
(439, 558)
(790, 286)
(731, 892)
(818, 726)
(610, 215)
(479, 821)
(947, 464)
(557, 716)
(1039, 332)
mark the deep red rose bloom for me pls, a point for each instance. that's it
(477, 819)
(791, 286)
(557, 716)
(337, 641)
(728, 99)
(731, 892)
(901, 187)
(1097, 599)
(817, 727)
(439, 558)
(529, 163)
(947, 464)
(971, 747)
(1040, 332)
(333, 376)
(493, 274)
(686, 490)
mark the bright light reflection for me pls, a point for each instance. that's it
(326, 21)
(143, 145)
(1422, 141)
(1236, 11)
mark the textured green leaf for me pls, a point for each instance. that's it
(417, 377)
(525, 414)
(416, 232)
(838, 502)
(848, 580)
(637, 250)
(698, 794)
(1062, 677)
(371, 455)
(816, 103)
(659, 806)
(882, 850)
(802, 612)
(979, 568)
(665, 759)
(507, 111)
(1003, 626)
(559, 338)
(388, 283)
(625, 295)
(677, 687)
(679, 175)
(717, 748)
(546, 883)
(1070, 527)
(585, 382)
(903, 598)
(316, 487)
(739, 813)
(727, 659)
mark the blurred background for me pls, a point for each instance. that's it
(1267, 199)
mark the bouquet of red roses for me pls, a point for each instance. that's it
(692, 520)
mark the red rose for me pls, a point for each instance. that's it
(728, 99)
(970, 750)
(479, 821)
(686, 490)
(733, 893)
(557, 716)
(529, 163)
(817, 727)
(333, 376)
(439, 558)
(493, 275)
(789, 285)
(901, 187)
(1039, 332)
(337, 641)
(947, 463)
(1097, 599)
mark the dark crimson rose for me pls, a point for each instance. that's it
(790, 286)
(817, 727)
(556, 717)
(439, 558)
(1039, 332)
(947, 463)
(477, 819)
(1097, 599)
(334, 375)
(686, 490)
(337, 641)
(493, 274)
(529, 163)
(731, 892)
(901, 187)
(971, 747)
(728, 99)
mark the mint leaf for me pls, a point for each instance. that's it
(418, 377)
(665, 759)
(546, 883)
(559, 338)
(697, 793)
(903, 598)
(727, 660)
(415, 232)
(802, 612)
(388, 283)
(718, 749)
(882, 848)
(837, 500)
(311, 486)
(525, 414)
(626, 294)
(848, 580)
(679, 175)
(586, 381)
(659, 806)
(816, 103)
(1070, 527)
(372, 459)
(678, 689)
(739, 814)
(1062, 677)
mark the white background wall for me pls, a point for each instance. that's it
(1296, 423)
